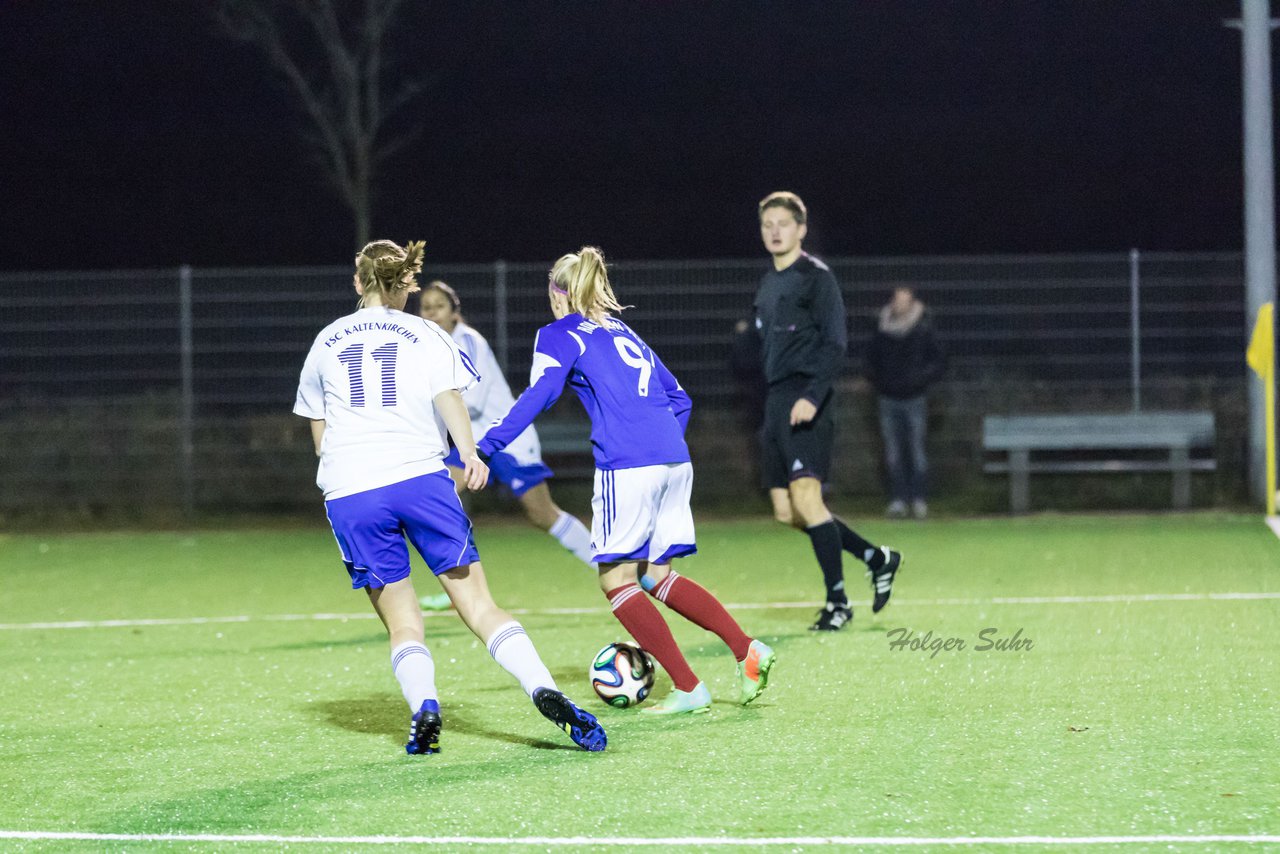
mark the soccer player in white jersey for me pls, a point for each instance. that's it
(641, 519)
(380, 387)
(519, 466)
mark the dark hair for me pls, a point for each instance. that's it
(788, 200)
(449, 292)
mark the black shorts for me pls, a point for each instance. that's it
(791, 452)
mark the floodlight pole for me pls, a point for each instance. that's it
(1259, 208)
(187, 417)
(1135, 330)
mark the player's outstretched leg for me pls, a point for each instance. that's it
(682, 702)
(514, 652)
(753, 671)
(581, 726)
(424, 730)
(639, 617)
(697, 605)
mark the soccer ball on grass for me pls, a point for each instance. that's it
(622, 674)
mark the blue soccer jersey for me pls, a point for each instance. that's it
(638, 411)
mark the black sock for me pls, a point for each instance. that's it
(858, 547)
(826, 548)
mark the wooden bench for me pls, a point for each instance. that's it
(1019, 436)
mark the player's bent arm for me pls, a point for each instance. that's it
(317, 434)
(535, 400)
(456, 419)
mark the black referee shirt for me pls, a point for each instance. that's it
(801, 320)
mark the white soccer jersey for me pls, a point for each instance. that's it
(490, 399)
(372, 377)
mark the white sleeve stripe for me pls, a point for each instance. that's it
(541, 362)
(582, 348)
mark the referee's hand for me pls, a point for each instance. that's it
(802, 412)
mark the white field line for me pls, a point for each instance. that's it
(670, 841)
(1273, 522)
(1122, 599)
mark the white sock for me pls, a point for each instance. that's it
(573, 535)
(416, 672)
(514, 652)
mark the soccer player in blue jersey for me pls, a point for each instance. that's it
(519, 466)
(801, 320)
(641, 519)
(378, 386)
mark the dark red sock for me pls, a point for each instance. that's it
(638, 616)
(692, 601)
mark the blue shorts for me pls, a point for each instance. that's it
(371, 527)
(505, 470)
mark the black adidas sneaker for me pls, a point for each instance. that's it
(832, 618)
(882, 578)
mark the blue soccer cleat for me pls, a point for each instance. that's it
(424, 731)
(581, 726)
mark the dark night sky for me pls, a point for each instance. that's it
(134, 136)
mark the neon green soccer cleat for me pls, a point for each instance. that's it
(438, 602)
(681, 702)
(753, 671)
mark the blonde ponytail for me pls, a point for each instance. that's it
(385, 269)
(585, 278)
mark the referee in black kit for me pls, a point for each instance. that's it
(801, 319)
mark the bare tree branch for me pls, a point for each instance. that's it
(394, 145)
(333, 61)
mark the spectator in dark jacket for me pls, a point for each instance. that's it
(903, 360)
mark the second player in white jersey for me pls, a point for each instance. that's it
(355, 379)
(519, 467)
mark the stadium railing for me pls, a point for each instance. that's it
(170, 391)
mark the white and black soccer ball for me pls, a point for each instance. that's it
(622, 674)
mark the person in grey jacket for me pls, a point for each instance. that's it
(903, 360)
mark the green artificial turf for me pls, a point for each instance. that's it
(1128, 716)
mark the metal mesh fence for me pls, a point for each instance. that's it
(170, 391)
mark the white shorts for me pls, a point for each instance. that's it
(642, 514)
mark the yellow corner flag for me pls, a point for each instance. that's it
(1261, 356)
